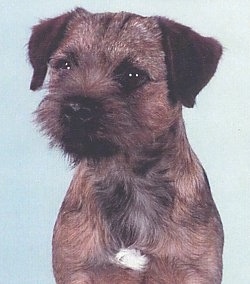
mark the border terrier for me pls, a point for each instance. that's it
(139, 208)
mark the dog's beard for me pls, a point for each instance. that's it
(77, 143)
(107, 134)
(79, 147)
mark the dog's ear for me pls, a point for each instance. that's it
(191, 60)
(44, 40)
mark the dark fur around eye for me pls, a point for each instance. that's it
(65, 63)
(129, 76)
(60, 64)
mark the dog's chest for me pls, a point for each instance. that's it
(132, 209)
(131, 258)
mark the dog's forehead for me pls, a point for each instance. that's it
(116, 34)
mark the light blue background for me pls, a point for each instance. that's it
(33, 179)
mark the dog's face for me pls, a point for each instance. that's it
(117, 81)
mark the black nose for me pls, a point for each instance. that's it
(78, 111)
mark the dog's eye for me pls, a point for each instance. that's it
(130, 77)
(63, 64)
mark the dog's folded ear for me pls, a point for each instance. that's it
(191, 60)
(44, 40)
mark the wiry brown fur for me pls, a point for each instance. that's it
(137, 183)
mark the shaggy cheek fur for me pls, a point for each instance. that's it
(47, 117)
(155, 111)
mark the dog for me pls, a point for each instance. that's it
(139, 208)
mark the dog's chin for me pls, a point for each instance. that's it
(87, 148)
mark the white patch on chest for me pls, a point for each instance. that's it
(131, 258)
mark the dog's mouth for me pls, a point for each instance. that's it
(88, 148)
(83, 136)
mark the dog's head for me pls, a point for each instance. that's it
(117, 80)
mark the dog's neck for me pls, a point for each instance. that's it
(169, 156)
(134, 193)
